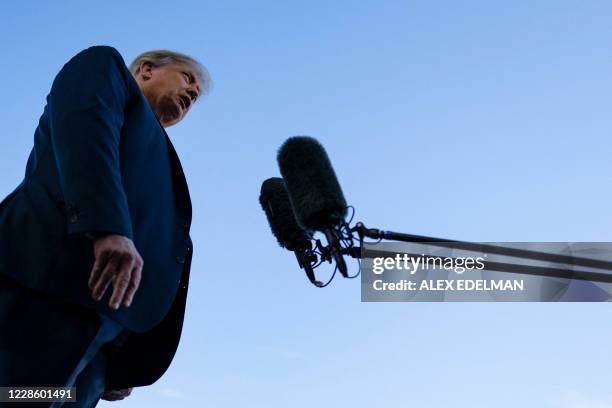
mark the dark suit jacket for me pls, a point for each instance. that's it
(102, 162)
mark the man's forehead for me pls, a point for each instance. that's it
(180, 66)
(184, 67)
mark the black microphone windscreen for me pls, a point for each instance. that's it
(310, 179)
(275, 202)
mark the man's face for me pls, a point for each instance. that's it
(170, 89)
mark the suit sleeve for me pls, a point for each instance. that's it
(86, 103)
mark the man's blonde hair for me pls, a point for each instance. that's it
(158, 58)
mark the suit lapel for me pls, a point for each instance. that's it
(178, 175)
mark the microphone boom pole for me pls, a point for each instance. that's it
(318, 204)
(374, 233)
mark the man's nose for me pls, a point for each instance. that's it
(193, 94)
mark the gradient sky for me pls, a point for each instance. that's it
(475, 120)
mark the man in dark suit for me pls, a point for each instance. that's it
(95, 249)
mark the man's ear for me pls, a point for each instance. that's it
(146, 70)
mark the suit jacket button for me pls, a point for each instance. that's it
(180, 259)
(73, 218)
(185, 223)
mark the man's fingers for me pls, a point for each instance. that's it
(112, 396)
(116, 395)
(134, 283)
(105, 278)
(97, 269)
(118, 263)
(121, 283)
(95, 273)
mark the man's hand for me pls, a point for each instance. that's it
(116, 395)
(117, 262)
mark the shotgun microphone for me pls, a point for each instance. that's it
(274, 200)
(314, 191)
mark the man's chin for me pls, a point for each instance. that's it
(167, 124)
(170, 119)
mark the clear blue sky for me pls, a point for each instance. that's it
(476, 120)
